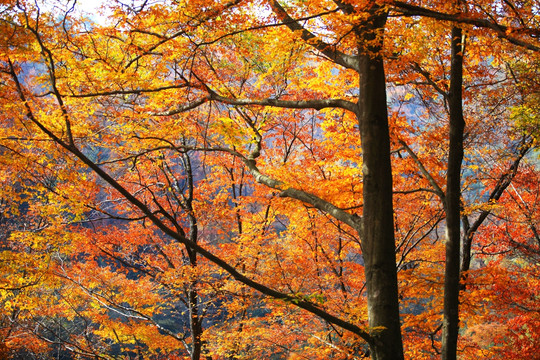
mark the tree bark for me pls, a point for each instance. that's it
(453, 201)
(378, 243)
(196, 317)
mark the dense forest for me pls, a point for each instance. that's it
(270, 179)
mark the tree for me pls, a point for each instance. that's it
(122, 109)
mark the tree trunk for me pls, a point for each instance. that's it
(453, 201)
(378, 244)
(196, 317)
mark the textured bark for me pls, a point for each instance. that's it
(453, 202)
(378, 241)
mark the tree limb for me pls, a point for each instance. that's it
(347, 61)
(291, 104)
(502, 31)
(436, 188)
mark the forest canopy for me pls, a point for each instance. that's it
(270, 179)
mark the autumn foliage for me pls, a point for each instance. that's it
(232, 179)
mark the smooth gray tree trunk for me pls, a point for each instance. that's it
(378, 240)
